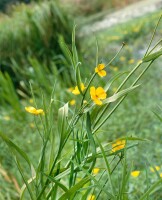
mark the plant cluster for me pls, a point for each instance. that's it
(64, 173)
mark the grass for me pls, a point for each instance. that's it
(134, 118)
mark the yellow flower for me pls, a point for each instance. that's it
(122, 58)
(99, 70)
(157, 168)
(118, 145)
(34, 111)
(7, 118)
(95, 171)
(97, 94)
(72, 102)
(91, 197)
(131, 61)
(160, 175)
(76, 90)
(135, 173)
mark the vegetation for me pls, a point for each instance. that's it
(29, 36)
(96, 146)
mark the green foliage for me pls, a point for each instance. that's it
(8, 93)
(57, 155)
(36, 36)
(71, 148)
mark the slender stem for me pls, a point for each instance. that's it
(113, 110)
(93, 76)
(153, 36)
(155, 46)
(58, 154)
(119, 88)
(107, 178)
(115, 55)
(97, 52)
(47, 181)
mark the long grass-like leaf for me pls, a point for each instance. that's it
(107, 166)
(74, 189)
(151, 189)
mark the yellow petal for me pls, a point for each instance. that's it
(82, 87)
(157, 168)
(92, 91)
(91, 197)
(101, 66)
(95, 171)
(30, 109)
(97, 101)
(100, 92)
(96, 70)
(72, 102)
(102, 73)
(39, 111)
(118, 145)
(76, 91)
(34, 111)
(135, 173)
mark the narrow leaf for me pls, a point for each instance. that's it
(74, 189)
(119, 94)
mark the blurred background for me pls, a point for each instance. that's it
(31, 36)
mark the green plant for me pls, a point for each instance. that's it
(35, 36)
(57, 172)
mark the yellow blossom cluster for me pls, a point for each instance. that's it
(118, 145)
(34, 111)
(91, 197)
(76, 89)
(135, 173)
(97, 94)
(100, 70)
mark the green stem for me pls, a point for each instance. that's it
(153, 35)
(155, 46)
(47, 181)
(115, 55)
(113, 110)
(93, 76)
(119, 88)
